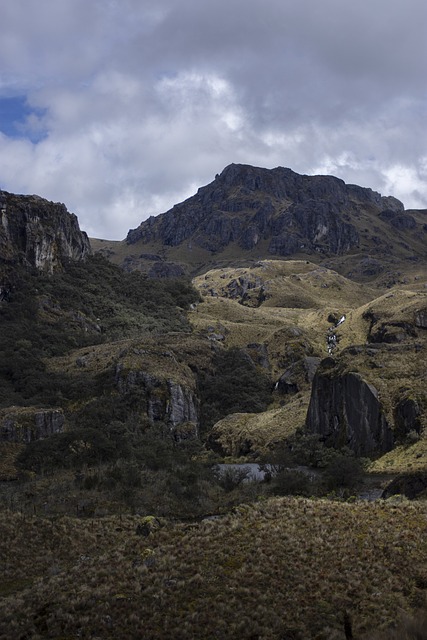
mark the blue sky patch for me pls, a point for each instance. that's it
(19, 120)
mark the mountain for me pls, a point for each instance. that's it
(299, 348)
(249, 213)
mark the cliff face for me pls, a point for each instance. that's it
(163, 400)
(27, 424)
(162, 380)
(288, 212)
(37, 233)
(345, 411)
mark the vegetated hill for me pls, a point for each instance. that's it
(56, 298)
(248, 213)
(345, 364)
(118, 391)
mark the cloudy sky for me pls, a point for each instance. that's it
(122, 108)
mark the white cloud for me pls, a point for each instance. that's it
(142, 101)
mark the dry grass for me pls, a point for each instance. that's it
(403, 458)
(165, 357)
(289, 333)
(262, 430)
(287, 568)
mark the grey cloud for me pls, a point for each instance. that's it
(143, 101)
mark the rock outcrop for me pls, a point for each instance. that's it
(409, 485)
(345, 411)
(162, 400)
(40, 234)
(23, 425)
(295, 376)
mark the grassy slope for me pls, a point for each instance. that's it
(284, 568)
(290, 332)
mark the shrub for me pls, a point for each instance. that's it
(235, 385)
(291, 482)
(343, 471)
(232, 477)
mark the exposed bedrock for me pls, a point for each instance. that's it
(345, 411)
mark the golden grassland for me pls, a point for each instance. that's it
(403, 458)
(264, 430)
(282, 568)
(396, 306)
(164, 357)
(396, 369)
(291, 283)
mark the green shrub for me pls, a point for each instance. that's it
(72, 449)
(235, 385)
(291, 482)
(87, 303)
(343, 471)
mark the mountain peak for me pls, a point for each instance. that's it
(275, 212)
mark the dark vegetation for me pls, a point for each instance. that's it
(234, 385)
(87, 303)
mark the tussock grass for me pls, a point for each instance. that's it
(286, 568)
(403, 458)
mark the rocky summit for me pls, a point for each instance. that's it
(249, 212)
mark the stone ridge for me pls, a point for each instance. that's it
(37, 233)
(246, 205)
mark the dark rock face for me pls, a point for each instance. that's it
(421, 318)
(313, 225)
(407, 416)
(409, 485)
(246, 205)
(37, 233)
(164, 400)
(345, 411)
(400, 220)
(303, 370)
(27, 425)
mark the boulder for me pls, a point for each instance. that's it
(407, 417)
(409, 485)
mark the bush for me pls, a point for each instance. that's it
(291, 482)
(87, 303)
(232, 477)
(235, 385)
(343, 471)
(72, 449)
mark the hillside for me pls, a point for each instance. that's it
(299, 348)
(286, 568)
(283, 315)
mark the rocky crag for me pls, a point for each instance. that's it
(249, 212)
(37, 233)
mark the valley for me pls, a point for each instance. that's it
(272, 319)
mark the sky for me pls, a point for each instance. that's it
(122, 108)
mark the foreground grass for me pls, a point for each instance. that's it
(285, 568)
